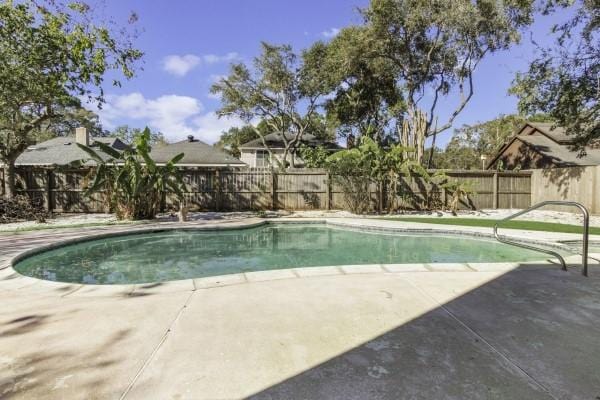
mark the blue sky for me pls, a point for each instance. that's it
(188, 44)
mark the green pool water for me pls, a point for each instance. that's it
(183, 254)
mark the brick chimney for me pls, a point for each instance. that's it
(82, 136)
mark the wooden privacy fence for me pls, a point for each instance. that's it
(249, 189)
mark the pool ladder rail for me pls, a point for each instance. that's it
(586, 232)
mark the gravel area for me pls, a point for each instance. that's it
(70, 220)
(537, 215)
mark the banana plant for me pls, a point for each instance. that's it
(131, 180)
(458, 190)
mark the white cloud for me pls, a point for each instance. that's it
(180, 65)
(333, 32)
(175, 116)
(214, 59)
(208, 127)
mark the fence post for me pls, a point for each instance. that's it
(49, 190)
(217, 189)
(328, 191)
(443, 195)
(381, 195)
(495, 191)
(273, 190)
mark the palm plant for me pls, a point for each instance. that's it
(458, 190)
(132, 182)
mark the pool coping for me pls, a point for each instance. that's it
(20, 282)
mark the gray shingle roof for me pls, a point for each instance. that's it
(195, 152)
(560, 153)
(558, 133)
(275, 141)
(62, 151)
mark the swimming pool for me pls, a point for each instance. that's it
(182, 254)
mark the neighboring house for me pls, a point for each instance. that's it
(256, 155)
(196, 154)
(538, 145)
(64, 150)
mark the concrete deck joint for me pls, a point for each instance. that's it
(157, 347)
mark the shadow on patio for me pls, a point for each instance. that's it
(528, 334)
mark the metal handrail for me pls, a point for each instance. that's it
(586, 231)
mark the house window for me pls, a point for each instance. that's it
(262, 159)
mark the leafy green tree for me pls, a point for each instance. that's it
(131, 135)
(65, 122)
(133, 183)
(364, 97)
(431, 49)
(50, 57)
(314, 157)
(564, 80)
(232, 139)
(280, 90)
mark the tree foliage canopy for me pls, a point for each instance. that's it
(564, 79)
(281, 90)
(131, 135)
(411, 54)
(50, 57)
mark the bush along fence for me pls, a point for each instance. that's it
(62, 190)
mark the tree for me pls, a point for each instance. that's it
(432, 49)
(280, 90)
(131, 180)
(232, 139)
(564, 80)
(65, 122)
(364, 96)
(51, 56)
(131, 135)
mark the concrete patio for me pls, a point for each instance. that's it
(438, 331)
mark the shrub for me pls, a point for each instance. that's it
(21, 208)
(356, 169)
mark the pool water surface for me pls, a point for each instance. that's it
(183, 254)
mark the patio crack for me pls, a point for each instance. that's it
(471, 331)
(156, 348)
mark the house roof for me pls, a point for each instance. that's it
(62, 151)
(552, 143)
(556, 133)
(275, 141)
(560, 153)
(196, 152)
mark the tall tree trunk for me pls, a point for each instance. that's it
(9, 179)
(430, 161)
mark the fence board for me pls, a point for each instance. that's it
(254, 189)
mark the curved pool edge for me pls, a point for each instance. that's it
(18, 281)
(44, 288)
